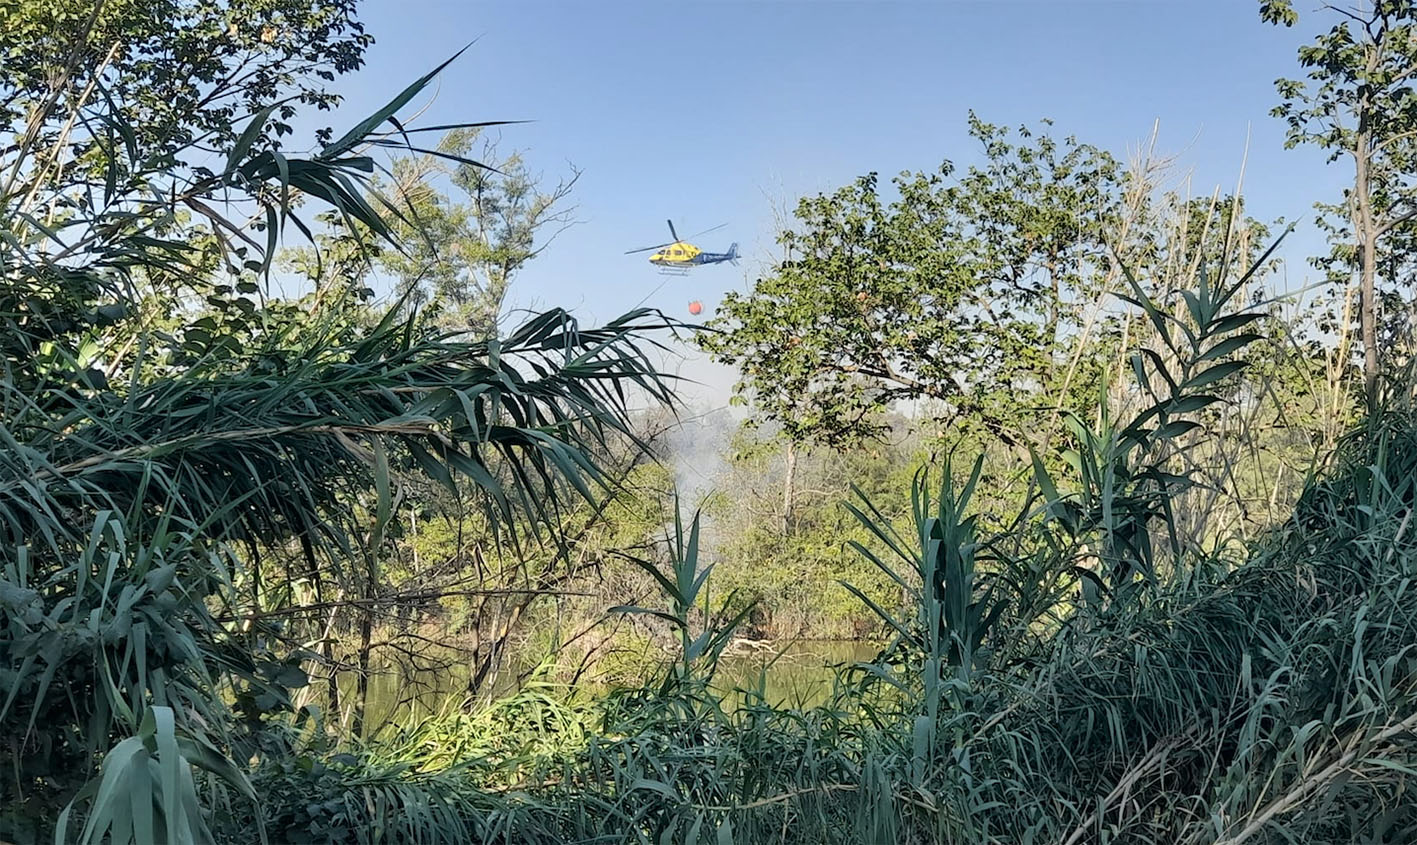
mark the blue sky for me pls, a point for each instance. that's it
(712, 112)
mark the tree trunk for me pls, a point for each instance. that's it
(1365, 233)
(327, 648)
(1055, 309)
(788, 493)
(1370, 318)
(366, 637)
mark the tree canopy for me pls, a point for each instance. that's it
(1359, 102)
(963, 289)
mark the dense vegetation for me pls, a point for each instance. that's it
(1128, 529)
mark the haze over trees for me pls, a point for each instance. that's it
(1118, 529)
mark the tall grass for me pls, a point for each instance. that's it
(1273, 702)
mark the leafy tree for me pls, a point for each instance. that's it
(183, 76)
(795, 577)
(1359, 102)
(961, 292)
(124, 117)
(462, 253)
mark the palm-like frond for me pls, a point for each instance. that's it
(270, 453)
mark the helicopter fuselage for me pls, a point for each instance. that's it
(681, 254)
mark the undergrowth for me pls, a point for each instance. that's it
(1272, 703)
(1181, 697)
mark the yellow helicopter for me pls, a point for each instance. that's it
(680, 256)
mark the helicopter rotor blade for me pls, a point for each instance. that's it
(648, 248)
(672, 232)
(706, 231)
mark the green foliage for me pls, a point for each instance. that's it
(953, 616)
(794, 575)
(1361, 64)
(1268, 702)
(1218, 712)
(957, 291)
(148, 475)
(174, 79)
(454, 614)
(1358, 102)
(93, 647)
(199, 483)
(682, 586)
(147, 793)
(1125, 481)
(461, 254)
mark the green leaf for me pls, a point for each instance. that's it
(1176, 428)
(1190, 404)
(362, 129)
(725, 832)
(667, 617)
(655, 786)
(383, 511)
(1225, 325)
(247, 138)
(292, 677)
(1142, 301)
(1228, 346)
(1041, 476)
(1214, 374)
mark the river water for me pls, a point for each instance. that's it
(799, 676)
